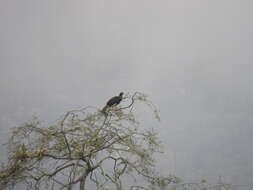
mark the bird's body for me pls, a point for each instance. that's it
(113, 101)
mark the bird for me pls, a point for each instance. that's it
(113, 101)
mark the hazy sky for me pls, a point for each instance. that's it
(192, 57)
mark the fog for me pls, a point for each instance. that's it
(193, 59)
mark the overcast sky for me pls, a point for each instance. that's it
(192, 57)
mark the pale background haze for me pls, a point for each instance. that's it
(192, 57)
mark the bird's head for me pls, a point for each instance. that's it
(121, 94)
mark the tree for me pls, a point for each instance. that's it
(86, 149)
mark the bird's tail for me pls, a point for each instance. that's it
(104, 109)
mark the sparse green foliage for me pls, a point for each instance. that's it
(80, 145)
(84, 148)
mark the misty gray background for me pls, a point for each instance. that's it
(192, 57)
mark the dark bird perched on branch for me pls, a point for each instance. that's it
(113, 101)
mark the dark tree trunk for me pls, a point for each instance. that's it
(83, 180)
